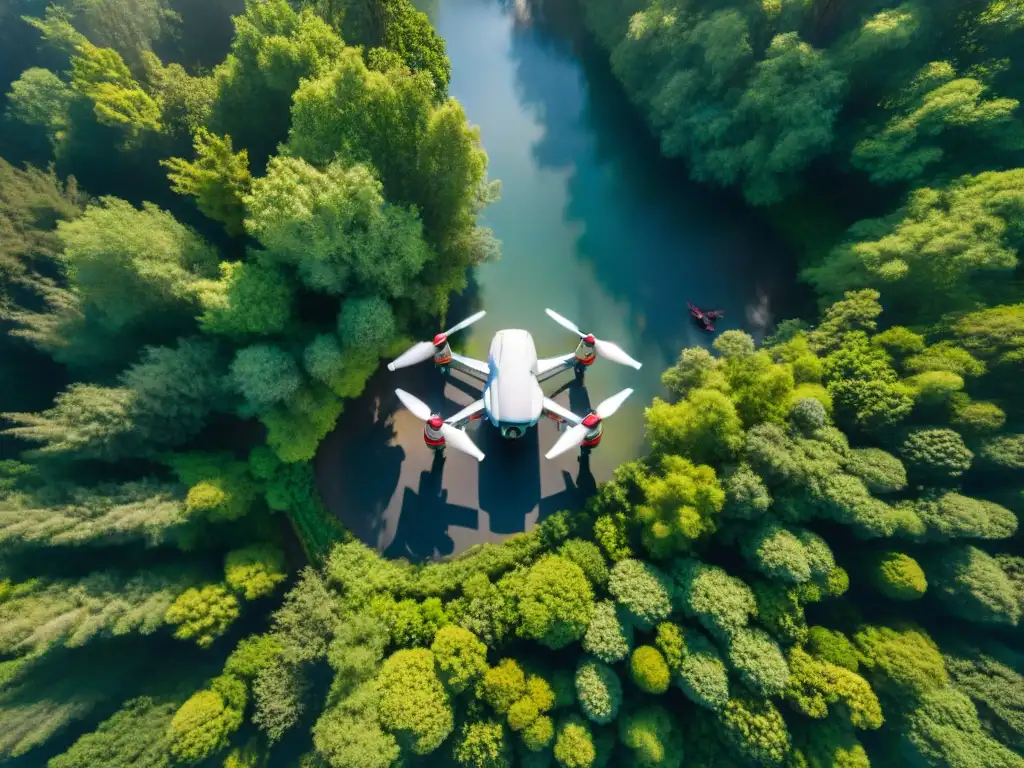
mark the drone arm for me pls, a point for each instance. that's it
(473, 368)
(471, 412)
(553, 366)
(555, 411)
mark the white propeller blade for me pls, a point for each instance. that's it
(425, 350)
(571, 438)
(453, 436)
(612, 404)
(465, 323)
(417, 353)
(460, 441)
(567, 324)
(418, 408)
(606, 349)
(611, 351)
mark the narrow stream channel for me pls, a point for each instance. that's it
(595, 224)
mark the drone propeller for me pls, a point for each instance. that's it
(574, 436)
(425, 350)
(453, 436)
(606, 349)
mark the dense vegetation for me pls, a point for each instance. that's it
(817, 565)
(215, 260)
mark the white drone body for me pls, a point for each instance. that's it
(513, 400)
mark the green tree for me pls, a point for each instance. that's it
(106, 515)
(759, 661)
(40, 98)
(755, 728)
(897, 576)
(937, 103)
(132, 274)
(971, 585)
(609, 634)
(202, 614)
(461, 657)
(651, 735)
(483, 744)
(334, 226)
(881, 471)
(704, 426)
(138, 734)
(204, 724)
(722, 603)
(255, 571)
(648, 669)
(118, 100)
(643, 590)
(249, 298)
(695, 665)
(273, 49)
(556, 602)
(932, 253)
(944, 730)
(265, 374)
(599, 691)
(587, 555)
(41, 614)
(414, 705)
(574, 744)
(218, 178)
(937, 454)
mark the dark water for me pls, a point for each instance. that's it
(593, 223)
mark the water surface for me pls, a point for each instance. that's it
(595, 224)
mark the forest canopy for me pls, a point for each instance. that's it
(818, 562)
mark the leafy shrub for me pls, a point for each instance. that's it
(649, 670)
(599, 691)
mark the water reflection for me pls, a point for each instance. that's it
(595, 224)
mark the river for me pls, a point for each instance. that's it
(595, 224)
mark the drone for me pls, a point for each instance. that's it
(512, 397)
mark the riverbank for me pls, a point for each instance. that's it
(594, 223)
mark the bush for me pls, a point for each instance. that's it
(574, 745)
(653, 738)
(254, 571)
(556, 602)
(203, 614)
(587, 555)
(538, 734)
(808, 415)
(898, 576)
(936, 454)
(413, 703)
(695, 663)
(599, 691)
(881, 471)
(482, 744)
(202, 726)
(760, 663)
(643, 590)
(265, 375)
(649, 670)
(461, 657)
(832, 646)
(503, 685)
(609, 636)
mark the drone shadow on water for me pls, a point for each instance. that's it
(396, 495)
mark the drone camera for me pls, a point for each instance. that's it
(512, 432)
